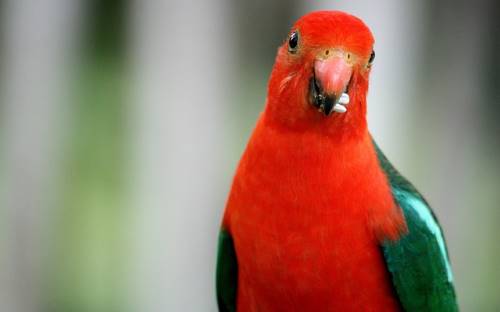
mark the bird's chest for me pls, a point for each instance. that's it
(300, 225)
(304, 244)
(303, 252)
(309, 261)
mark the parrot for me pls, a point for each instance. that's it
(317, 218)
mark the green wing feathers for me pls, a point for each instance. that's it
(226, 273)
(418, 262)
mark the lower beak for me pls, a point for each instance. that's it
(330, 82)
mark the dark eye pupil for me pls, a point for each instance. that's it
(372, 57)
(293, 41)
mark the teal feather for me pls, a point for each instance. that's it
(418, 261)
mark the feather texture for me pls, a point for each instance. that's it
(418, 261)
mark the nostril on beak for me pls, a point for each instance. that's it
(327, 52)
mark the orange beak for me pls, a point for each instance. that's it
(331, 79)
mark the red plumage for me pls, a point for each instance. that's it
(309, 202)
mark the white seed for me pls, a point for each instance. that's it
(339, 108)
(344, 99)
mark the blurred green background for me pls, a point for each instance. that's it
(121, 124)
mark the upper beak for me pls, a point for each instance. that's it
(331, 79)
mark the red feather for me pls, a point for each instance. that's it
(309, 202)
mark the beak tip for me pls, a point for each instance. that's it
(332, 103)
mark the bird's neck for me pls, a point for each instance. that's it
(289, 108)
(311, 173)
(347, 128)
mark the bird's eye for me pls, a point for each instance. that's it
(293, 42)
(372, 58)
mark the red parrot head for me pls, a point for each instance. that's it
(320, 76)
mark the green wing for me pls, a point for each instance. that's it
(418, 262)
(226, 273)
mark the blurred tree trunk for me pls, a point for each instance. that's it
(88, 263)
(36, 44)
(463, 182)
(180, 56)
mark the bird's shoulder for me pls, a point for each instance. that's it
(418, 262)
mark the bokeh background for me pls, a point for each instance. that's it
(121, 124)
